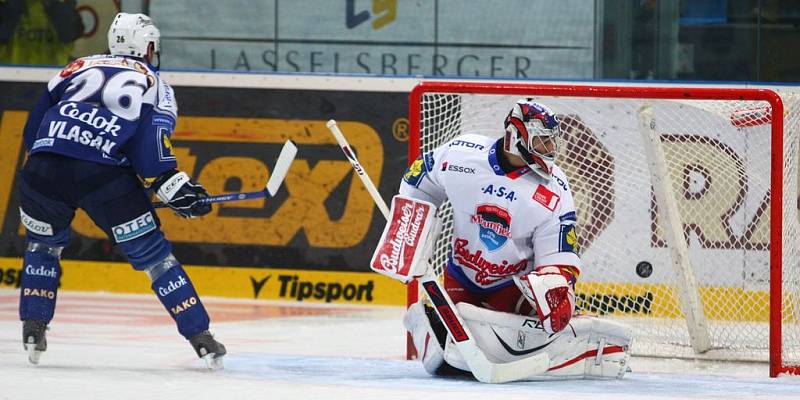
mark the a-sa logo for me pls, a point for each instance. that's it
(384, 10)
(500, 192)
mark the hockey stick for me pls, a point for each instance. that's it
(362, 173)
(288, 152)
(483, 369)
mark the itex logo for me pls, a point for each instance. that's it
(384, 11)
(318, 199)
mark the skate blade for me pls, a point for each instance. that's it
(213, 363)
(33, 354)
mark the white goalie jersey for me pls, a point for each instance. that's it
(504, 224)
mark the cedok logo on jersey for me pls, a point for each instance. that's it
(494, 225)
(545, 197)
(76, 111)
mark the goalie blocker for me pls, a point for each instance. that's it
(402, 250)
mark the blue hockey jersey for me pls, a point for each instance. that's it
(109, 110)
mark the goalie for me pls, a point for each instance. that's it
(514, 254)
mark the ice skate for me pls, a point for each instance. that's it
(210, 350)
(34, 340)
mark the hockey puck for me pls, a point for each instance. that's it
(644, 269)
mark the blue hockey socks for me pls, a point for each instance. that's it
(176, 292)
(39, 286)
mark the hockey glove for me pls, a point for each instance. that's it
(550, 291)
(181, 194)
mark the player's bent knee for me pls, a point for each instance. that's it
(147, 250)
(159, 268)
(37, 247)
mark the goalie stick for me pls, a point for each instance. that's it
(482, 368)
(288, 152)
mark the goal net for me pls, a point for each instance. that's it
(687, 207)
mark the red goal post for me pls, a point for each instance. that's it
(700, 133)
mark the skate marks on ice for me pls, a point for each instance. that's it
(282, 351)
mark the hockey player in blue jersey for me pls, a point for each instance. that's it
(98, 139)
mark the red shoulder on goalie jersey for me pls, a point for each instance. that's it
(514, 246)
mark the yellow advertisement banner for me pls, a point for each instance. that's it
(291, 285)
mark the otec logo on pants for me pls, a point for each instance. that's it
(172, 286)
(41, 271)
(132, 229)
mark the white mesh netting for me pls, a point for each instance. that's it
(720, 179)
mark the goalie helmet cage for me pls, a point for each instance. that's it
(687, 207)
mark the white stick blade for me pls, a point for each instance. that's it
(281, 167)
(520, 370)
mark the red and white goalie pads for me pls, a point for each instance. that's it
(402, 251)
(550, 291)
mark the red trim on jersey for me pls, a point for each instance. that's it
(591, 353)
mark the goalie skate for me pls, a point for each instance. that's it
(208, 349)
(33, 339)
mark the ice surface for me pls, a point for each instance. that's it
(116, 347)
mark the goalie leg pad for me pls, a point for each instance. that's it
(429, 348)
(588, 347)
(429, 335)
(601, 349)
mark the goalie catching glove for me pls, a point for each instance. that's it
(407, 240)
(551, 291)
(181, 194)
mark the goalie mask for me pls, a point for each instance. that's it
(532, 133)
(131, 34)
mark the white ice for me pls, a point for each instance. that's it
(116, 347)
